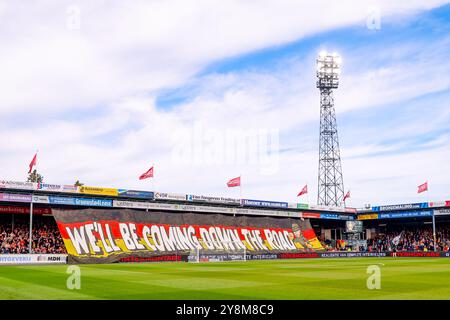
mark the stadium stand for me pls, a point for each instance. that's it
(14, 237)
(417, 239)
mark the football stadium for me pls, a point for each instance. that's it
(132, 244)
(236, 107)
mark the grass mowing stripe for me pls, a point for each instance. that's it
(17, 289)
(401, 278)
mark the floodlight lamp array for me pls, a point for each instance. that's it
(328, 70)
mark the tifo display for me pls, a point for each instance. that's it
(102, 225)
(95, 235)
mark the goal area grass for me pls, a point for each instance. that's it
(343, 278)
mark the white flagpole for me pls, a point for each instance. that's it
(240, 185)
(428, 193)
(343, 199)
(307, 193)
(153, 178)
(434, 219)
(30, 245)
(36, 165)
(30, 238)
(434, 232)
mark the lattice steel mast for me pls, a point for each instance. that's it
(331, 183)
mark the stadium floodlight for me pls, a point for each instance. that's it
(331, 185)
(322, 53)
(328, 70)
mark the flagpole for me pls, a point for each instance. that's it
(307, 194)
(36, 165)
(153, 178)
(240, 185)
(434, 232)
(30, 244)
(434, 219)
(30, 238)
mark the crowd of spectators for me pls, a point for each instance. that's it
(411, 240)
(15, 239)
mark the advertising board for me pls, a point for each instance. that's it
(420, 254)
(14, 259)
(327, 208)
(436, 204)
(262, 203)
(57, 188)
(170, 196)
(212, 199)
(93, 202)
(135, 194)
(334, 216)
(100, 191)
(61, 200)
(406, 214)
(298, 205)
(441, 212)
(395, 207)
(40, 199)
(371, 216)
(347, 254)
(132, 204)
(15, 197)
(311, 215)
(5, 184)
(80, 201)
(24, 210)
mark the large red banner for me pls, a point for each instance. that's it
(95, 235)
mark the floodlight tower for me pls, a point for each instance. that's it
(331, 183)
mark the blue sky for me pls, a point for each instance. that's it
(166, 83)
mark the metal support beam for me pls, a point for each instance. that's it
(30, 244)
(330, 181)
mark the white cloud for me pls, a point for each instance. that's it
(124, 48)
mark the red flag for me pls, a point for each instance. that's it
(33, 162)
(304, 191)
(423, 187)
(347, 195)
(235, 182)
(147, 174)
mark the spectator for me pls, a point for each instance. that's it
(46, 239)
(418, 239)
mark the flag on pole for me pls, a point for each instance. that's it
(347, 195)
(396, 240)
(423, 187)
(33, 162)
(304, 191)
(147, 174)
(235, 182)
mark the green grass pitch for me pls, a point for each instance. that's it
(401, 278)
